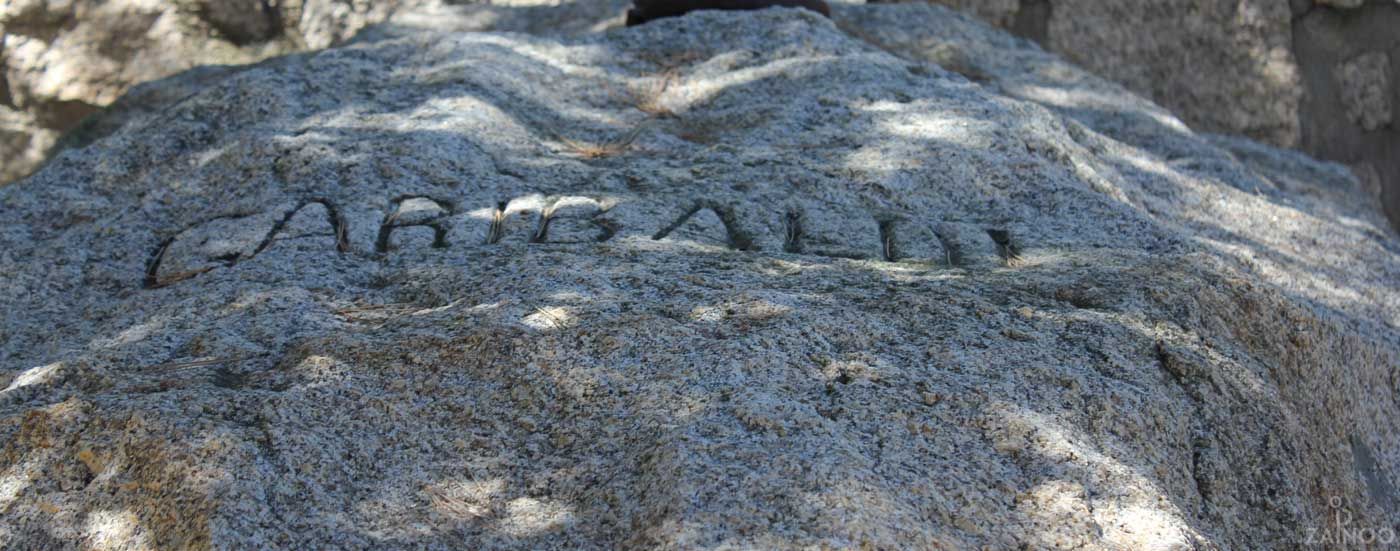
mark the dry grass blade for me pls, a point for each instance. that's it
(456, 506)
(176, 278)
(375, 311)
(498, 228)
(342, 237)
(553, 319)
(367, 313)
(607, 149)
(196, 363)
(647, 99)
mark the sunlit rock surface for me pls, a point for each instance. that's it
(729, 280)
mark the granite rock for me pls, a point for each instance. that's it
(61, 62)
(1300, 74)
(727, 280)
(1366, 87)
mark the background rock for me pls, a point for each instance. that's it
(1365, 83)
(1224, 66)
(1335, 116)
(63, 61)
(1267, 69)
(724, 280)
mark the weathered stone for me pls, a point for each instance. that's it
(1001, 13)
(1342, 54)
(1263, 69)
(643, 11)
(450, 289)
(1366, 89)
(63, 61)
(239, 21)
(1223, 65)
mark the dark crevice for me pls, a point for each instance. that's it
(887, 246)
(63, 114)
(1006, 249)
(498, 221)
(1169, 365)
(6, 99)
(840, 254)
(792, 231)
(268, 22)
(607, 228)
(542, 232)
(1185, 374)
(951, 251)
(1326, 39)
(152, 279)
(1032, 20)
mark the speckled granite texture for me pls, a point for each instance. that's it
(723, 281)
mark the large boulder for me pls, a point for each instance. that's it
(726, 280)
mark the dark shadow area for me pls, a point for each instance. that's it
(1032, 20)
(1328, 41)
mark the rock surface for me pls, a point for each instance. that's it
(1299, 73)
(1223, 65)
(1308, 74)
(63, 61)
(727, 280)
(1350, 62)
(1365, 83)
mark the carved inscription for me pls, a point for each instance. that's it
(227, 240)
(573, 220)
(224, 241)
